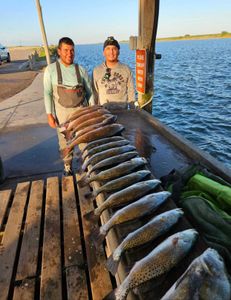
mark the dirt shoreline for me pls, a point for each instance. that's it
(13, 80)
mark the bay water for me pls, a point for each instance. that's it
(192, 89)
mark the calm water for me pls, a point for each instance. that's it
(192, 89)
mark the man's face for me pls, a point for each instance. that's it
(111, 53)
(66, 54)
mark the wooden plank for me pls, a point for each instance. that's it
(76, 284)
(4, 200)
(73, 254)
(51, 278)
(25, 291)
(27, 266)
(99, 276)
(10, 239)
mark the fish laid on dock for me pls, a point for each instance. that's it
(96, 158)
(156, 227)
(144, 206)
(74, 132)
(131, 193)
(103, 147)
(120, 183)
(83, 111)
(92, 121)
(206, 278)
(110, 119)
(106, 131)
(158, 262)
(102, 141)
(115, 160)
(69, 126)
(121, 169)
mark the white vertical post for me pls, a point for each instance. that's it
(44, 37)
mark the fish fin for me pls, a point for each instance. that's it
(112, 265)
(83, 181)
(97, 237)
(111, 295)
(91, 217)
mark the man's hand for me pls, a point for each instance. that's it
(51, 121)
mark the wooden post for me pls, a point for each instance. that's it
(44, 37)
(148, 20)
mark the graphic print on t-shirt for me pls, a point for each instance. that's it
(113, 84)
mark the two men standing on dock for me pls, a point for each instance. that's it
(67, 87)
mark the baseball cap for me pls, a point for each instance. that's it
(110, 41)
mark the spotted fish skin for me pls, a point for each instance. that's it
(114, 160)
(103, 147)
(157, 226)
(121, 182)
(121, 169)
(102, 141)
(106, 154)
(131, 193)
(206, 278)
(158, 262)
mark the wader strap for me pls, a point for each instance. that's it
(59, 73)
(78, 73)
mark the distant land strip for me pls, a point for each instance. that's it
(223, 34)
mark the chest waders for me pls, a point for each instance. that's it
(68, 98)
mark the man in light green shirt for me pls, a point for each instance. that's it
(67, 87)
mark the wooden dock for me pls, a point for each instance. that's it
(44, 244)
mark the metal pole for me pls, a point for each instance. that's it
(44, 37)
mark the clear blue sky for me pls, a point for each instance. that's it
(93, 20)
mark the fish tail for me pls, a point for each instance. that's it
(112, 264)
(83, 181)
(92, 217)
(98, 236)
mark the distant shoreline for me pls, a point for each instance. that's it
(223, 35)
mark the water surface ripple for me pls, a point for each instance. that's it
(192, 89)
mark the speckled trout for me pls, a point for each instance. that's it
(150, 231)
(120, 183)
(121, 169)
(158, 262)
(135, 210)
(108, 120)
(92, 121)
(80, 112)
(102, 141)
(106, 154)
(206, 278)
(103, 147)
(90, 115)
(73, 133)
(105, 131)
(115, 160)
(131, 193)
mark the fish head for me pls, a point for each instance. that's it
(184, 239)
(212, 262)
